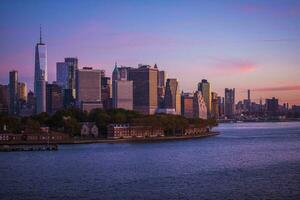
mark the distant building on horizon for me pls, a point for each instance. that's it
(144, 89)
(205, 89)
(229, 103)
(272, 106)
(40, 75)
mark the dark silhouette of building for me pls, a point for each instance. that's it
(54, 98)
(229, 102)
(13, 93)
(272, 106)
(4, 98)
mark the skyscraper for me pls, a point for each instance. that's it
(66, 78)
(161, 87)
(54, 98)
(123, 94)
(199, 106)
(144, 88)
(229, 102)
(40, 75)
(172, 96)
(106, 92)
(22, 91)
(62, 74)
(214, 106)
(187, 106)
(13, 92)
(88, 88)
(204, 88)
(4, 98)
(72, 63)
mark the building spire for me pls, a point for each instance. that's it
(40, 34)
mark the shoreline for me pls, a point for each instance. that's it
(113, 141)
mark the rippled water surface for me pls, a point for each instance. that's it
(246, 161)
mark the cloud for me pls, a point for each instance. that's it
(278, 88)
(286, 10)
(232, 66)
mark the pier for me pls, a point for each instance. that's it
(29, 147)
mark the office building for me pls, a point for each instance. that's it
(204, 88)
(172, 96)
(40, 75)
(187, 105)
(144, 88)
(161, 87)
(13, 93)
(106, 92)
(229, 103)
(4, 98)
(199, 106)
(123, 94)
(54, 98)
(88, 88)
(22, 91)
(214, 106)
(62, 74)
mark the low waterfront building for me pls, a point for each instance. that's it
(195, 130)
(115, 131)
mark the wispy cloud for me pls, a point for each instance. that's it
(278, 88)
(232, 66)
(288, 10)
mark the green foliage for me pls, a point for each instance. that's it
(72, 127)
(69, 121)
(32, 126)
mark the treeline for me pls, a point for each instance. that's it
(68, 121)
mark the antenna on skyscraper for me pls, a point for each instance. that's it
(40, 34)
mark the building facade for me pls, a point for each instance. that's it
(199, 106)
(172, 96)
(187, 105)
(123, 94)
(88, 87)
(144, 89)
(54, 98)
(214, 106)
(40, 75)
(4, 98)
(13, 93)
(204, 88)
(229, 102)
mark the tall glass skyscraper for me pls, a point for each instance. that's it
(40, 75)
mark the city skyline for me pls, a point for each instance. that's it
(259, 54)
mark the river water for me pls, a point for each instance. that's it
(246, 161)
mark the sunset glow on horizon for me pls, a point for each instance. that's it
(233, 44)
